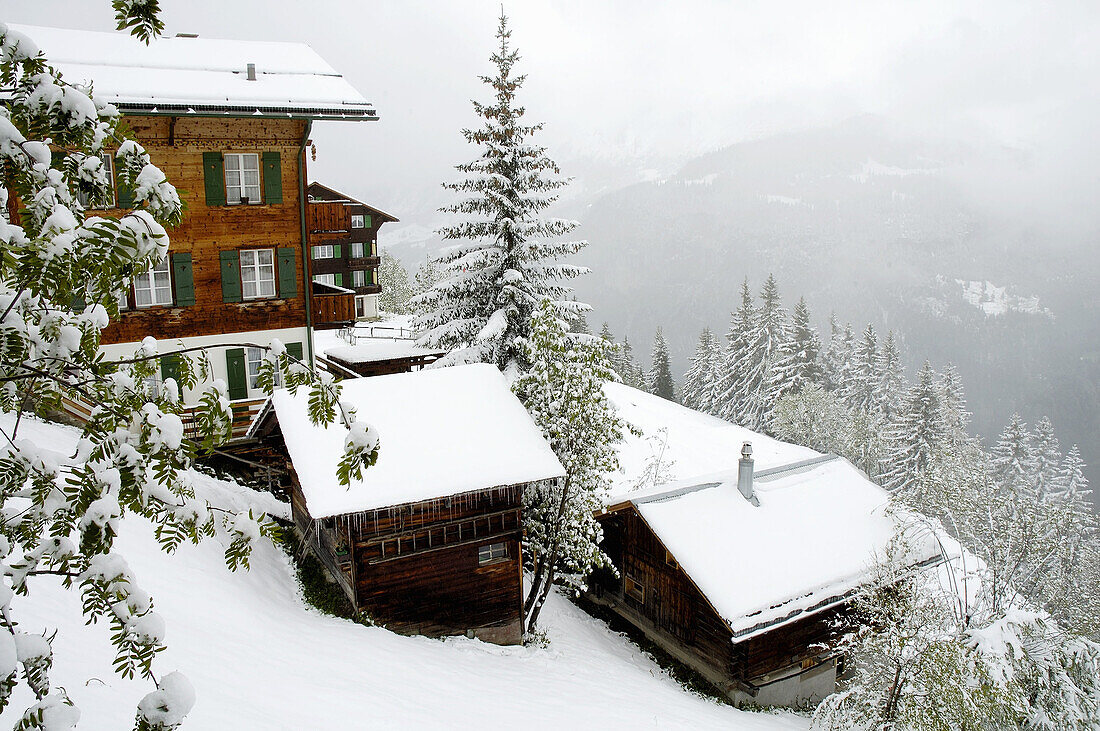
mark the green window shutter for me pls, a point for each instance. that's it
(273, 178)
(170, 368)
(339, 280)
(336, 251)
(213, 171)
(231, 276)
(235, 372)
(313, 252)
(366, 221)
(288, 273)
(125, 196)
(183, 279)
(295, 350)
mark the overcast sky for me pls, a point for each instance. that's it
(648, 83)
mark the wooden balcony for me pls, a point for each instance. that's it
(364, 261)
(327, 218)
(331, 310)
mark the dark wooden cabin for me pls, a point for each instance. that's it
(428, 542)
(700, 573)
(343, 238)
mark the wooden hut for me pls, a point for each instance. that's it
(742, 575)
(428, 541)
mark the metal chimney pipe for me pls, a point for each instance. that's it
(251, 72)
(744, 474)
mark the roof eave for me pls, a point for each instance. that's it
(246, 111)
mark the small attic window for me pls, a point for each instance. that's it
(669, 560)
(634, 588)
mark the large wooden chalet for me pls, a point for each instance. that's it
(428, 541)
(742, 575)
(343, 238)
(228, 122)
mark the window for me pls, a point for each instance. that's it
(357, 221)
(255, 357)
(325, 279)
(323, 251)
(358, 278)
(491, 553)
(361, 306)
(634, 588)
(356, 249)
(123, 299)
(669, 558)
(242, 178)
(257, 273)
(154, 287)
(109, 166)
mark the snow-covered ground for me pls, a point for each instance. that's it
(260, 659)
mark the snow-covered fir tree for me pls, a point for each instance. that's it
(628, 369)
(1046, 457)
(396, 289)
(760, 384)
(563, 392)
(837, 358)
(697, 391)
(916, 434)
(508, 256)
(659, 381)
(802, 362)
(891, 386)
(862, 391)
(729, 402)
(1012, 459)
(60, 272)
(427, 275)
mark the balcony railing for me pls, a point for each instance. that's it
(322, 217)
(333, 310)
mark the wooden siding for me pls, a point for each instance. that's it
(333, 310)
(414, 568)
(176, 147)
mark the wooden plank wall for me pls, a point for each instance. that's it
(206, 231)
(672, 603)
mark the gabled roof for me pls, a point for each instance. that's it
(443, 432)
(201, 76)
(337, 197)
(811, 542)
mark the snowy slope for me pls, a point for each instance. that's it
(260, 659)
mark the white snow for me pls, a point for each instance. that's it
(995, 301)
(814, 536)
(380, 349)
(258, 658)
(196, 71)
(697, 444)
(442, 432)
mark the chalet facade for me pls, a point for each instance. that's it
(343, 239)
(228, 123)
(428, 541)
(743, 576)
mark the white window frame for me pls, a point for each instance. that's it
(253, 359)
(157, 288)
(329, 279)
(254, 272)
(358, 278)
(358, 220)
(492, 553)
(356, 249)
(323, 251)
(361, 306)
(237, 187)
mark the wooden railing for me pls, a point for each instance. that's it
(333, 309)
(245, 412)
(322, 216)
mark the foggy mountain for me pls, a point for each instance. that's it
(879, 227)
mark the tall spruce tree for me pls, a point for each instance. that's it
(802, 364)
(891, 385)
(563, 392)
(861, 392)
(1046, 459)
(915, 436)
(730, 401)
(506, 260)
(628, 369)
(396, 290)
(836, 360)
(766, 345)
(1012, 459)
(659, 381)
(697, 391)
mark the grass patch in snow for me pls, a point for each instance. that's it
(688, 678)
(318, 590)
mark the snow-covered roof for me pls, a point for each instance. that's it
(201, 76)
(812, 540)
(442, 432)
(373, 350)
